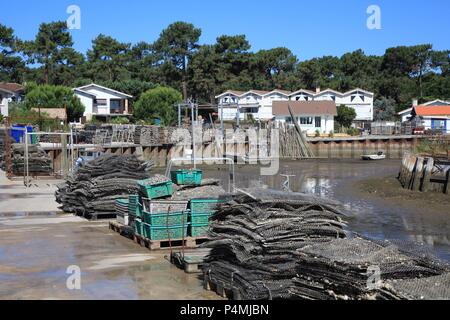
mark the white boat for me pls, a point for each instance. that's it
(379, 156)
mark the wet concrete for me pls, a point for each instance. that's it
(377, 205)
(16, 199)
(35, 252)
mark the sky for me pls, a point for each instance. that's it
(309, 28)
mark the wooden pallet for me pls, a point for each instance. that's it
(188, 242)
(98, 216)
(121, 229)
(221, 288)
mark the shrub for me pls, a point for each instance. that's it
(48, 96)
(158, 103)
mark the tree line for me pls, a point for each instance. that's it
(200, 72)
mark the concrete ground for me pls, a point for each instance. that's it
(16, 198)
(38, 245)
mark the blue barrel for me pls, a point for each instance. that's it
(17, 132)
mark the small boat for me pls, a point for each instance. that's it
(379, 156)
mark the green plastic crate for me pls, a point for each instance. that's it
(186, 177)
(199, 230)
(134, 206)
(155, 191)
(164, 206)
(204, 205)
(139, 227)
(162, 233)
(199, 218)
(164, 219)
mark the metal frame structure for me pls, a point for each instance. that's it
(27, 134)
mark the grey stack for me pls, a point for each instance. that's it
(92, 190)
(278, 245)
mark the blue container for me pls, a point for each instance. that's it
(18, 134)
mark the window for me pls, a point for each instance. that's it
(362, 97)
(353, 98)
(101, 102)
(306, 120)
(225, 100)
(333, 98)
(114, 106)
(288, 120)
(249, 110)
(317, 121)
(297, 98)
(306, 98)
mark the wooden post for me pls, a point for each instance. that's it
(417, 174)
(427, 174)
(447, 182)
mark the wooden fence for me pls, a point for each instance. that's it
(421, 173)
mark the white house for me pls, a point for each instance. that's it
(433, 116)
(9, 92)
(259, 103)
(102, 102)
(312, 116)
(406, 114)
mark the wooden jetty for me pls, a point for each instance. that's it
(425, 173)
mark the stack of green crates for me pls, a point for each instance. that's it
(200, 212)
(134, 207)
(165, 219)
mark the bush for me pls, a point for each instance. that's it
(345, 116)
(120, 120)
(353, 131)
(158, 103)
(317, 133)
(48, 96)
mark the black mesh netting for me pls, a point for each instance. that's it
(274, 245)
(93, 188)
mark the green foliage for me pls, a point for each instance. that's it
(432, 147)
(158, 103)
(352, 131)
(1, 117)
(107, 60)
(317, 133)
(175, 46)
(49, 96)
(177, 60)
(20, 114)
(52, 50)
(345, 116)
(11, 65)
(130, 86)
(385, 109)
(120, 120)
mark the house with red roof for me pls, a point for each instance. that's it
(435, 117)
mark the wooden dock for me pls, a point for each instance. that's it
(423, 173)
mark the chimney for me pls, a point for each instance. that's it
(317, 89)
(415, 103)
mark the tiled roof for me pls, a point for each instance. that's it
(280, 108)
(432, 110)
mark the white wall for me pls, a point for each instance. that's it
(326, 123)
(4, 107)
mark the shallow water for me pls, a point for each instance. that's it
(375, 217)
